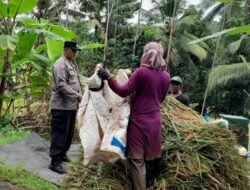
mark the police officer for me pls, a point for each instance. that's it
(63, 104)
(176, 85)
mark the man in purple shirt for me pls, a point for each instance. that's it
(148, 86)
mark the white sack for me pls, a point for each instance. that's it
(103, 120)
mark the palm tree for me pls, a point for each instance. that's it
(169, 10)
(96, 12)
(106, 14)
(222, 75)
(176, 36)
(222, 9)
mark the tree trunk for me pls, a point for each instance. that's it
(6, 65)
(138, 28)
(214, 62)
(171, 23)
(67, 13)
(109, 12)
(3, 84)
(114, 52)
(168, 58)
(29, 101)
(247, 10)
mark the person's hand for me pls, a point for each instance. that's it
(104, 74)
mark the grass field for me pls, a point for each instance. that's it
(9, 135)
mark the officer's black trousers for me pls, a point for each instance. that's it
(62, 131)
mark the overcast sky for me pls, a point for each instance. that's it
(146, 4)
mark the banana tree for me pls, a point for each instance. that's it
(26, 63)
(8, 13)
(42, 55)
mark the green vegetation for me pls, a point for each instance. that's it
(19, 177)
(207, 45)
(8, 134)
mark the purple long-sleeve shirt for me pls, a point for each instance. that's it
(149, 88)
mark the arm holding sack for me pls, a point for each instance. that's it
(122, 90)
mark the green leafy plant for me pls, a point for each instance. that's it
(28, 48)
(8, 134)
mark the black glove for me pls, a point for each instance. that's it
(104, 74)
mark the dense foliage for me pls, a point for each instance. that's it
(31, 40)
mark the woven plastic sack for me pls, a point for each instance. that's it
(103, 120)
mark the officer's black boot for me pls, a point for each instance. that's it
(65, 158)
(56, 166)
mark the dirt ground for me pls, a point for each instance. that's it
(7, 186)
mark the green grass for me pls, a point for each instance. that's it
(20, 177)
(10, 135)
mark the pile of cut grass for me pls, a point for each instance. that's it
(98, 176)
(195, 157)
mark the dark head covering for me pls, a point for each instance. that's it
(72, 45)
